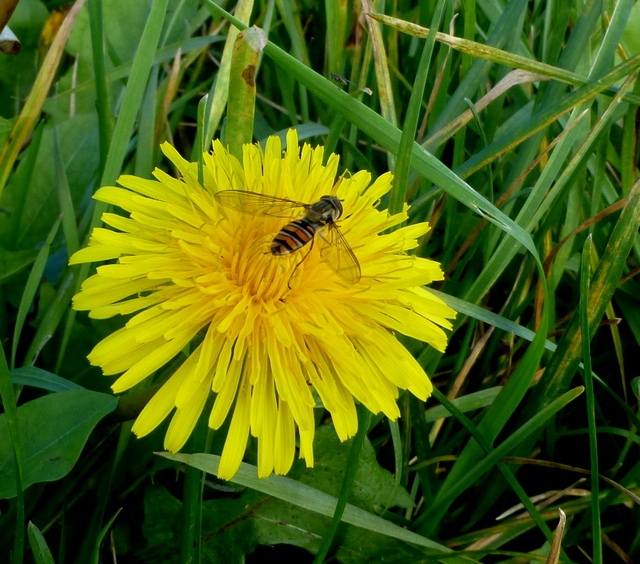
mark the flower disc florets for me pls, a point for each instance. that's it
(273, 326)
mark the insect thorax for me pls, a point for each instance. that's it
(325, 210)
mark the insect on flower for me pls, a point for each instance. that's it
(319, 217)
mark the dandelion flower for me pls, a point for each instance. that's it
(264, 329)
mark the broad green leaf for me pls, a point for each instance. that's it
(54, 429)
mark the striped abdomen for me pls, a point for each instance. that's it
(293, 236)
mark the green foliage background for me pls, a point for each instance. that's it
(517, 139)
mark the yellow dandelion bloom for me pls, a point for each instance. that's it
(266, 329)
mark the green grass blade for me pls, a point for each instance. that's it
(397, 197)
(498, 56)
(219, 93)
(31, 288)
(502, 450)
(509, 141)
(585, 275)
(65, 202)
(337, 14)
(383, 78)
(38, 378)
(364, 417)
(51, 319)
(39, 547)
(95, 557)
(564, 362)
(11, 412)
(503, 407)
(314, 500)
(103, 100)
(242, 104)
(146, 145)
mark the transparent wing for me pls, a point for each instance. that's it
(335, 250)
(259, 204)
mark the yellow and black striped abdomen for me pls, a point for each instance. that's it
(293, 236)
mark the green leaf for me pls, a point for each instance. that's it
(12, 262)
(39, 547)
(38, 378)
(78, 150)
(54, 429)
(312, 499)
(242, 82)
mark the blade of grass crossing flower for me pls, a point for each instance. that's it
(9, 403)
(364, 419)
(219, 93)
(31, 110)
(585, 275)
(39, 547)
(403, 164)
(242, 83)
(306, 497)
(30, 289)
(103, 99)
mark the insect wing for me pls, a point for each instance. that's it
(259, 204)
(337, 253)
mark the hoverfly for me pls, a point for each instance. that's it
(319, 217)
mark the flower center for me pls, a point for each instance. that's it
(248, 263)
